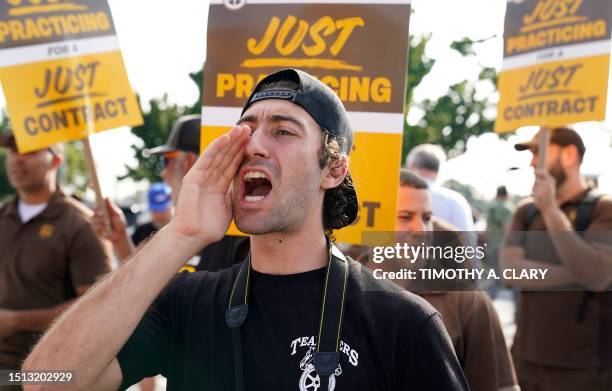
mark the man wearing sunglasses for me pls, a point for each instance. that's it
(178, 154)
(49, 253)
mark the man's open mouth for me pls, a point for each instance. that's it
(257, 186)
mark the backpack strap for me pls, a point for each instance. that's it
(584, 210)
(530, 214)
(584, 215)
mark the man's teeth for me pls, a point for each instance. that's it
(254, 174)
(253, 198)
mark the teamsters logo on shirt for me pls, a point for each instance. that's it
(310, 381)
(234, 4)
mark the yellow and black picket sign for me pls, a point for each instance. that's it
(556, 62)
(62, 71)
(340, 44)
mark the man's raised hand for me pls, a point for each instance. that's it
(204, 210)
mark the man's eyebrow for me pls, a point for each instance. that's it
(274, 118)
(247, 118)
(289, 118)
(404, 211)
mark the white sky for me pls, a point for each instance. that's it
(163, 41)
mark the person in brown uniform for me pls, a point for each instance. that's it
(564, 338)
(468, 314)
(49, 254)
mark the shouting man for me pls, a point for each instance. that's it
(297, 314)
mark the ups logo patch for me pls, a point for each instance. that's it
(45, 231)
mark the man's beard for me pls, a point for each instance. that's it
(287, 215)
(557, 172)
(414, 238)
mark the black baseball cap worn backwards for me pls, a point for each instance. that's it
(323, 105)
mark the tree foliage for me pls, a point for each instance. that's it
(156, 126)
(5, 187)
(451, 119)
(74, 175)
(157, 123)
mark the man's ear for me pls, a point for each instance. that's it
(334, 172)
(570, 156)
(188, 161)
(57, 160)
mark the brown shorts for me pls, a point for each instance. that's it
(533, 377)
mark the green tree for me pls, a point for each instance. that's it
(198, 79)
(451, 119)
(74, 175)
(5, 187)
(157, 122)
(419, 65)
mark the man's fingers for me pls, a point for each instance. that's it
(230, 165)
(238, 136)
(235, 151)
(234, 135)
(216, 150)
(211, 152)
(111, 208)
(212, 169)
(234, 164)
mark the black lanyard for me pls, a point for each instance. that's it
(326, 358)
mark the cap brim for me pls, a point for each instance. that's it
(159, 208)
(159, 150)
(524, 146)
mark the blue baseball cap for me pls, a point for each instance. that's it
(159, 197)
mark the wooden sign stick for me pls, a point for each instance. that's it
(543, 143)
(95, 182)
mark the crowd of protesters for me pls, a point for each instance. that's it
(53, 249)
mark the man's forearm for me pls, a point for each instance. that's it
(590, 265)
(90, 333)
(40, 319)
(513, 257)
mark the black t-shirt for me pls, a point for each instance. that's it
(220, 255)
(391, 339)
(216, 256)
(143, 232)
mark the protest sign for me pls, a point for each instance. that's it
(62, 71)
(556, 62)
(340, 43)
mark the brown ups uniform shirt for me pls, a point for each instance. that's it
(476, 333)
(42, 261)
(474, 327)
(549, 331)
